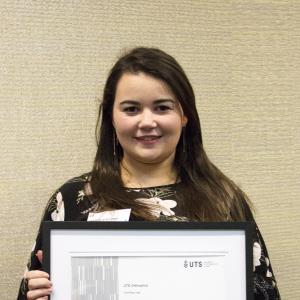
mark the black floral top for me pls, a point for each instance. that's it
(70, 203)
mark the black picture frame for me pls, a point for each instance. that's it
(143, 226)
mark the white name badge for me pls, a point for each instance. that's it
(111, 215)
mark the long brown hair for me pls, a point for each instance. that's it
(205, 192)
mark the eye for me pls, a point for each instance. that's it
(131, 109)
(163, 107)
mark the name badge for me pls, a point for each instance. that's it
(111, 215)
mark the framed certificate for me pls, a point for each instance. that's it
(149, 260)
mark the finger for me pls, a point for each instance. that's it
(39, 283)
(36, 274)
(38, 294)
(39, 255)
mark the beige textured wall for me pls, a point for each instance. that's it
(242, 58)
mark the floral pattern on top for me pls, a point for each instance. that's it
(159, 206)
(256, 255)
(157, 198)
(59, 213)
(162, 192)
(71, 203)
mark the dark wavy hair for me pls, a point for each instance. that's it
(205, 193)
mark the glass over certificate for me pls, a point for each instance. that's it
(149, 260)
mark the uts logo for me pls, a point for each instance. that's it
(193, 264)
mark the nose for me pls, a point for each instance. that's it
(147, 119)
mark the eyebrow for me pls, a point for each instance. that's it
(157, 101)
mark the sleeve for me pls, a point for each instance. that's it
(68, 203)
(265, 285)
(54, 211)
(264, 282)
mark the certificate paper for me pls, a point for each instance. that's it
(146, 261)
(124, 278)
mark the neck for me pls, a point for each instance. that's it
(136, 174)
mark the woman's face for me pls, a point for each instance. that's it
(147, 118)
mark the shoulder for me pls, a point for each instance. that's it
(74, 184)
(241, 207)
(70, 199)
(73, 188)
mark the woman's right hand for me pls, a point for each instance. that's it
(39, 285)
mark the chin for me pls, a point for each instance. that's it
(152, 159)
(149, 160)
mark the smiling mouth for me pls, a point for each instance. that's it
(147, 138)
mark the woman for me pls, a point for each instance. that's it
(150, 159)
